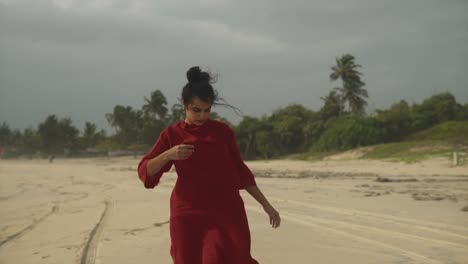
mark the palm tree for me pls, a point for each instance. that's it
(128, 123)
(177, 113)
(156, 105)
(352, 91)
(91, 136)
(333, 105)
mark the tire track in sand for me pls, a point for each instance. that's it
(365, 228)
(89, 251)
(30, 227)
(414, 223)
(299, 219)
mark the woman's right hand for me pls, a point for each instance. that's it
(180, 152)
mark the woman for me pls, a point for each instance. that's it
(208, 223)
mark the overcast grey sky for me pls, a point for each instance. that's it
(80, 58)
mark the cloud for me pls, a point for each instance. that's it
(120, 50)
(138, 23)
(219, 32)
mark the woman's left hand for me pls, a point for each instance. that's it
(275, 218)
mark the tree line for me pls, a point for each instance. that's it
(341, 123)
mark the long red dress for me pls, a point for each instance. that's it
(208, 223)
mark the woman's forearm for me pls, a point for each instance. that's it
(155, 164)
(255, 192)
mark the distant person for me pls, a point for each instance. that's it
(208, 222)
(51, 158)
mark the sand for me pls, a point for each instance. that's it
(336, 211)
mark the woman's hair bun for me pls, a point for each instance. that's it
(194, 74)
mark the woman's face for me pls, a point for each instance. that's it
(197, 112)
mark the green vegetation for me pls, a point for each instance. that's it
(438, 141)
(455, 132)
(350, 132)
(410, 132)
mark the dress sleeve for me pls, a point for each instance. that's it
(245, 174)
(161, 145)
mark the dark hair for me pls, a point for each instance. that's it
(199, 85)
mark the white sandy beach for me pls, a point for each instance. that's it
(83, 211)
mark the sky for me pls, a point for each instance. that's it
(78, 59)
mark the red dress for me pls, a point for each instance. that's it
(208, 223)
